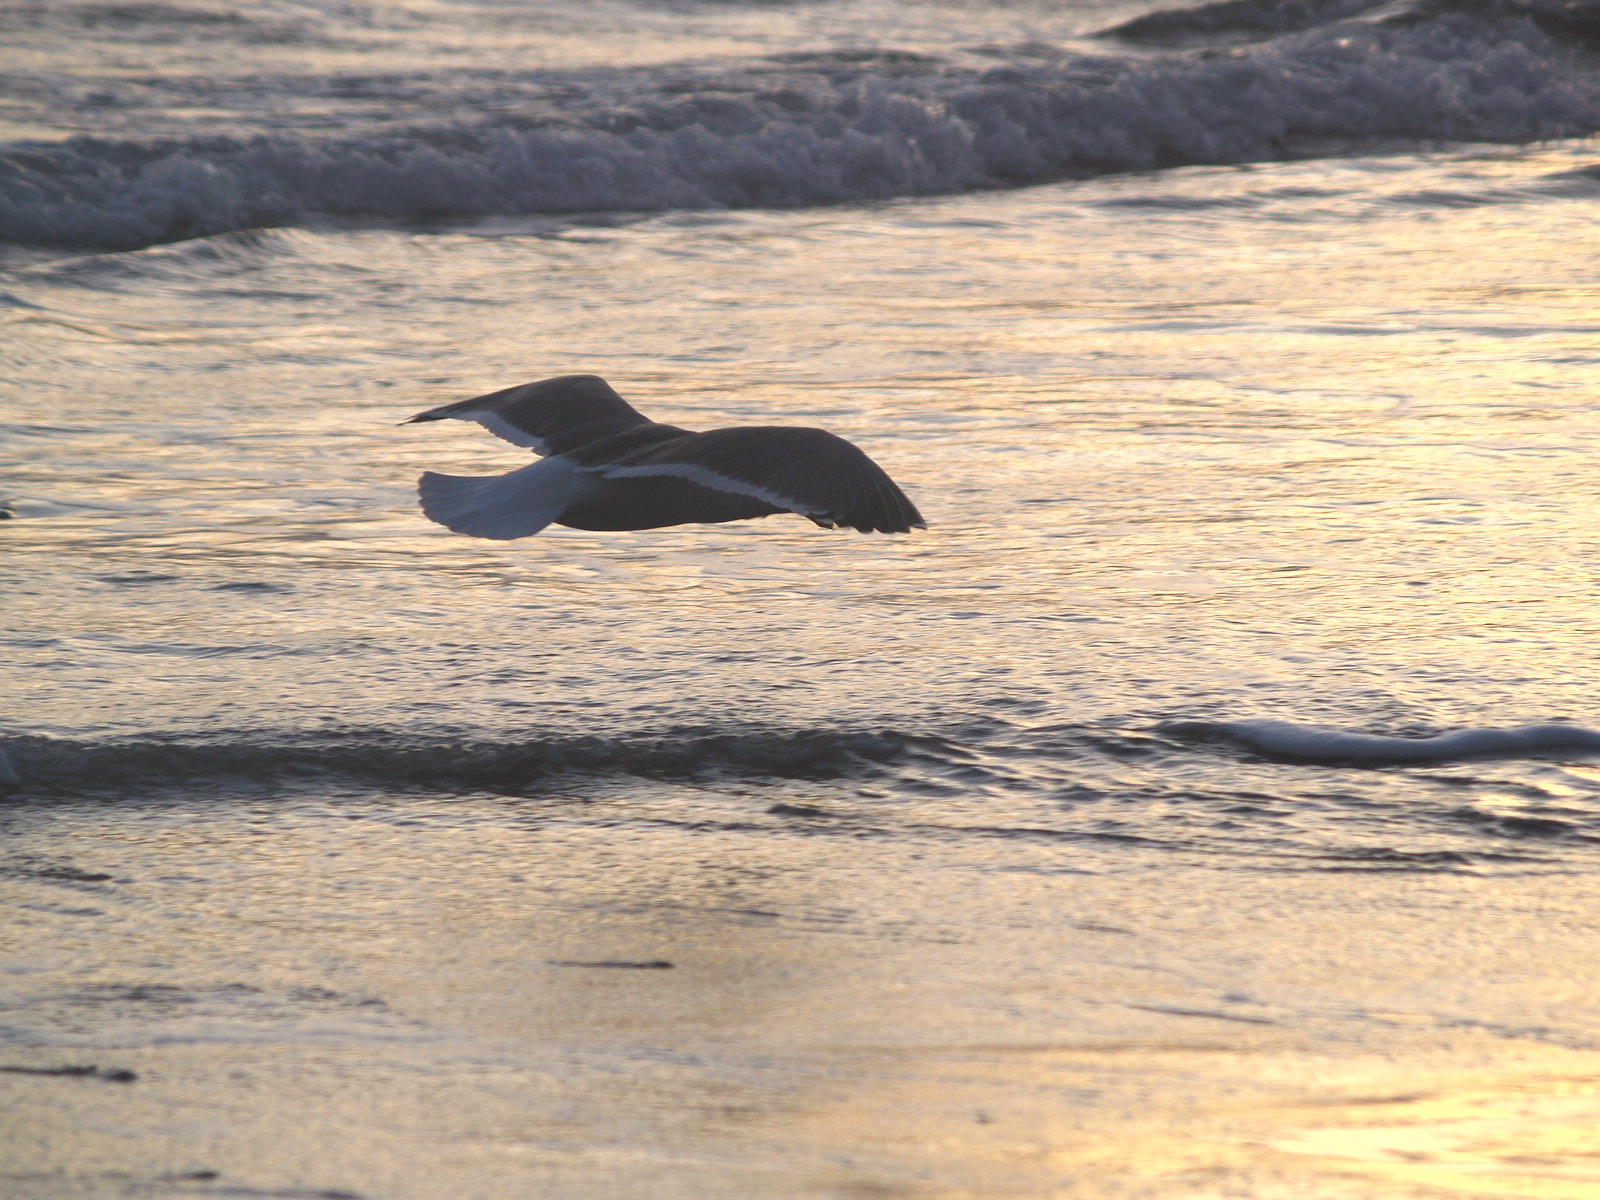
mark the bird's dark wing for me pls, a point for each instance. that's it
(551, 416)
(806, 471)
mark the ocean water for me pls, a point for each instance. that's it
(1147, 827)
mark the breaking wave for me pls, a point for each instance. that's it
(817, 129)
(158, 762)
(1176, 787)
(971, 758)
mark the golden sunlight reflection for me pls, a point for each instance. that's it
(1535, 1134)
(508, 988)
(757, 862)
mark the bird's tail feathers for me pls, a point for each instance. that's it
(517, 504)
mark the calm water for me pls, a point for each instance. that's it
(1270, 396)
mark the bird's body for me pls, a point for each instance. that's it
(608, 467)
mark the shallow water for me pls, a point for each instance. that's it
(359, 843)
(465, 996)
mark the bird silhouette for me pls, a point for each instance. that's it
(607, 466)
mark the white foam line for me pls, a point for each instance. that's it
(1318, 743)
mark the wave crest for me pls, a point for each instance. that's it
(33, 765)
(795, 134)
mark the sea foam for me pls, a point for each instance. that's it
(1317, 743)
(779, 133)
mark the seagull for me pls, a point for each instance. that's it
(607, 466)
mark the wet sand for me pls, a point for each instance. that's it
(482, 999)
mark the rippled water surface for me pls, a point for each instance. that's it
(347, 856)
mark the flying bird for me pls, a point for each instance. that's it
(607, 466)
